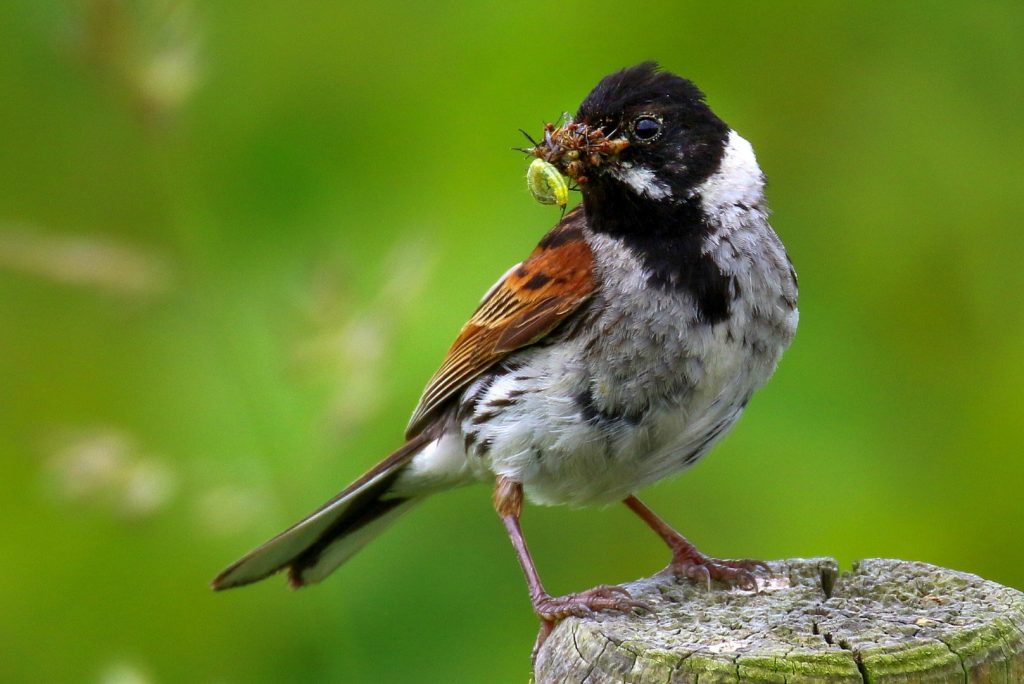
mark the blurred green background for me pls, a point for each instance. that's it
(236, 238)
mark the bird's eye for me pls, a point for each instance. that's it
(646, 128)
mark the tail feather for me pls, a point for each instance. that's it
(332, 534)
(333, 549)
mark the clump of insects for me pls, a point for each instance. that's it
(567, 150)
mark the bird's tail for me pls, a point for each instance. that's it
(312, 548)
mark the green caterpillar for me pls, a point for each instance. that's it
(546, 184)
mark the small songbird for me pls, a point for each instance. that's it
(618, 353)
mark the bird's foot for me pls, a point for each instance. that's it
(604, 597)
(697, 567)
(551, 609)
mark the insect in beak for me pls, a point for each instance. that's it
(576, 149)
(547, 184)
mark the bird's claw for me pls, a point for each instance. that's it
(551, 609)
(702, 570)
(604, 597)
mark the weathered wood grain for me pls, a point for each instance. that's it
(886, 621)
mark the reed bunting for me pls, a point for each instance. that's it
(618, 353)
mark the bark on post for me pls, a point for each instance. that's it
(886, 621)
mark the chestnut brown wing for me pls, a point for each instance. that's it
(527, 304)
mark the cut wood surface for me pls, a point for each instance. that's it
(885, 621)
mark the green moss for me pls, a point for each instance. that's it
(838, 664)
(897, 662)
(711, 668)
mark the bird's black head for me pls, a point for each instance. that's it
(642, 148)
(675, 140)
(641, 130)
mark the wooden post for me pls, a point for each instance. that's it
(886, 621)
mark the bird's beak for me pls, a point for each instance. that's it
(578, 150)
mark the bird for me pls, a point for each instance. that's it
(618, 353)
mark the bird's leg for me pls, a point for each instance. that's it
(688, 562)
(508, 502)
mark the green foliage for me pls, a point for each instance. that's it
(236, 238)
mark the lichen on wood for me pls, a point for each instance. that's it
(885, 621)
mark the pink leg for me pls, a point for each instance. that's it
(508, 501)
(688, 562)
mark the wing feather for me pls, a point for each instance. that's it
(529, 302)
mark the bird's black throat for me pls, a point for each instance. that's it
(668, 236)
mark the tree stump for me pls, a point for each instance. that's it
(886, 621)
